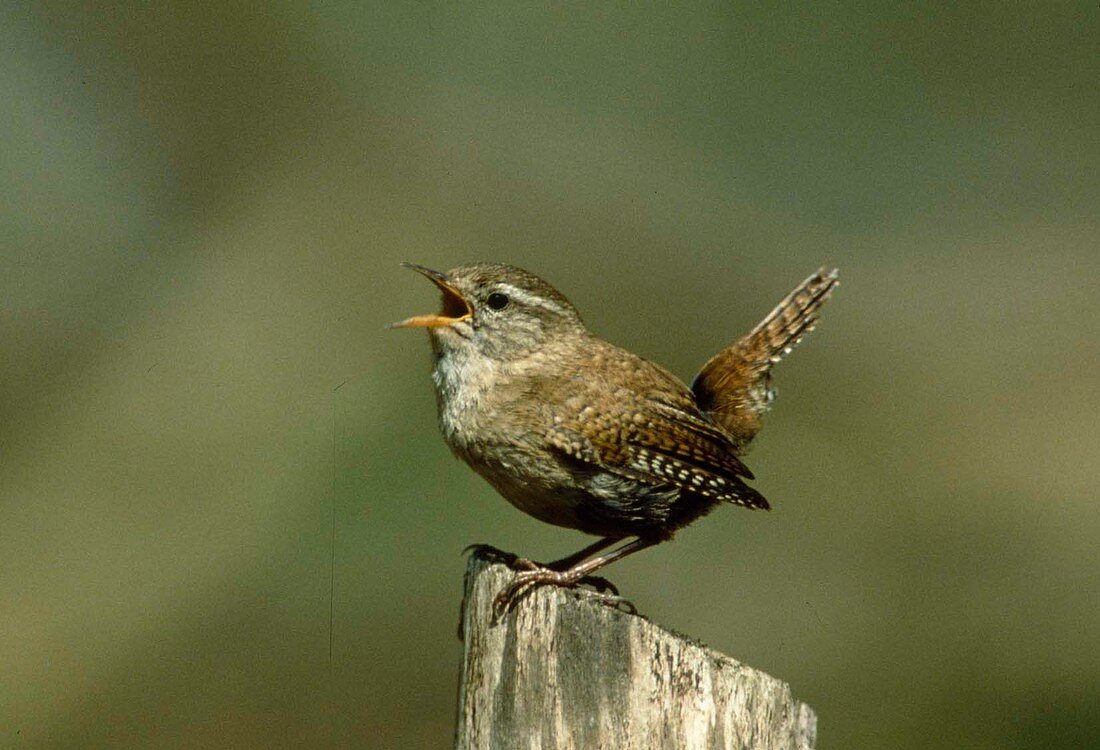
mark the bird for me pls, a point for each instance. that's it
(580, 433)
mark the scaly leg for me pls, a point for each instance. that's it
(535, 576)
(522, 563)
(568, 562)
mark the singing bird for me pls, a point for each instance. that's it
(581, 433)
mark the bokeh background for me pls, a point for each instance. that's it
(211, 450)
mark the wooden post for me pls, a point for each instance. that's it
(563, 673)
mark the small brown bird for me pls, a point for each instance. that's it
(580, 433)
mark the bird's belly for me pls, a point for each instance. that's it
(591, 500)
(546, 493)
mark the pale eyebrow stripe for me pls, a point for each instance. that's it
(531, 299)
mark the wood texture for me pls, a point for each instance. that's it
(563, 673)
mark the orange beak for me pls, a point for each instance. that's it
(455, 306)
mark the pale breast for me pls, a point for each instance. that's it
(477, 415)
(464, 387)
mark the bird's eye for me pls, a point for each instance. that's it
(497, 301)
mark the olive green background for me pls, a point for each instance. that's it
(204, 208)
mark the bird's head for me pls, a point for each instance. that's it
(494, 310)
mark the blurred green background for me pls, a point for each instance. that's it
(204, 206)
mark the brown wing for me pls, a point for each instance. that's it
(659, 438)
(734, 387)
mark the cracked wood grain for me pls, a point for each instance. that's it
(563, 673)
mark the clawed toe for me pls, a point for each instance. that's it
(532, 576)
(524, 582)
(600, 584)
(492, 553)
(571, 572)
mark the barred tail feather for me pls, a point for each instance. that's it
(794, 317)
(733, 388)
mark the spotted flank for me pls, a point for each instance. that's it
(696, 479)
(652, 448)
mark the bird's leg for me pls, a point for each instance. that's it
(527, 580)
(597, 582)
(568, 562)
(522, 563)
(515, 562)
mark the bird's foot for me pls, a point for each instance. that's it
(531, 575)
(598, 583)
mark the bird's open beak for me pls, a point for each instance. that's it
(455, 306)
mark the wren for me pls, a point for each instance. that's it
(580, 433)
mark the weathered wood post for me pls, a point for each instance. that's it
(562, 673)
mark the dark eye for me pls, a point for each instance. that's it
(497, 301)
